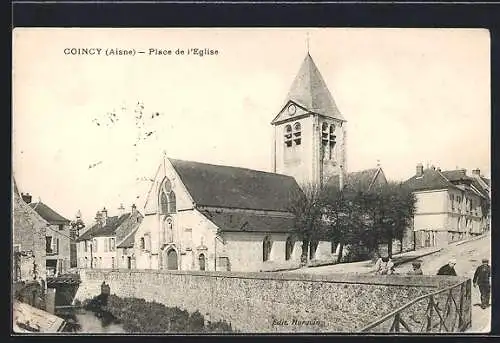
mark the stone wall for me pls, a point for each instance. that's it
(269, 302)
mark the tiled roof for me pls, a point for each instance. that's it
(310, 91)
(455, 175)
(223, 186)
(430, 180)
(98, 230)
(128, 242)
(241, 222)
(48, 214)
(127, 226)
(487, 181)
(363, 179)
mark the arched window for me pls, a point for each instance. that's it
(328, 141)
(163, 203)
(288, 135)
(297, 133)
(266, 248)
(288, 248)
(171, 202)
(167, 198)
(201, 261)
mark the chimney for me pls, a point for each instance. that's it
(121, 210)
(476, 172)
(98, 217)
(420, 169)
(26, 198)
(104, 214)
(433, 167)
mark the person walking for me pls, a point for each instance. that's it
(416, 269)
(482, 279)
(448, 269)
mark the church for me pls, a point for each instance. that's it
(200, 216)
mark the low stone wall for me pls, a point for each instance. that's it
(269, 302)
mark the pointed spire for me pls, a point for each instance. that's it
(309, 90)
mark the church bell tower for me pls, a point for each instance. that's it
(309, 130)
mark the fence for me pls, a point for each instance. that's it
(446, 310)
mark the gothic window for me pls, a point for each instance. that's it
(297, 133)
(288, 248)
(163, 203)
(171, 202)
(167, 198)
(288, 135)
(266, 248)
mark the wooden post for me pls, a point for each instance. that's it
(461, 306)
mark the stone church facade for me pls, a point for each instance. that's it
(200, 216)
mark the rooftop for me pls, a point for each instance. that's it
(233, 187)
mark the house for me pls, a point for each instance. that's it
(58, 237)
(97, 246)
(125, 237)
(449, 206)
(28, 237)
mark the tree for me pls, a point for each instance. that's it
(390, 209)
(307, 206)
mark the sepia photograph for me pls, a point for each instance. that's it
(251, 180)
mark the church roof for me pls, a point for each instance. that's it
(48, 214)
(364, 178)
(310, 91)
(241, 222)
(233, 187)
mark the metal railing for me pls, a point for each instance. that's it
(446, 310)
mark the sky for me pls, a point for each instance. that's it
(409, 96)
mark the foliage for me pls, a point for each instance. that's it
(141, 316)
(355, 216)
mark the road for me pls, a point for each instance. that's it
(468, 256)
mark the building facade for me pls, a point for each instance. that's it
(206, 217)
(28, 237)
(98, 246)
(449, 207)
(58, 238)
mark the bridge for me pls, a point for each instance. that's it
(68, 279)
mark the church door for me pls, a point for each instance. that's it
(172, 260)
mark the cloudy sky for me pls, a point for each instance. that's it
(409, 96)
